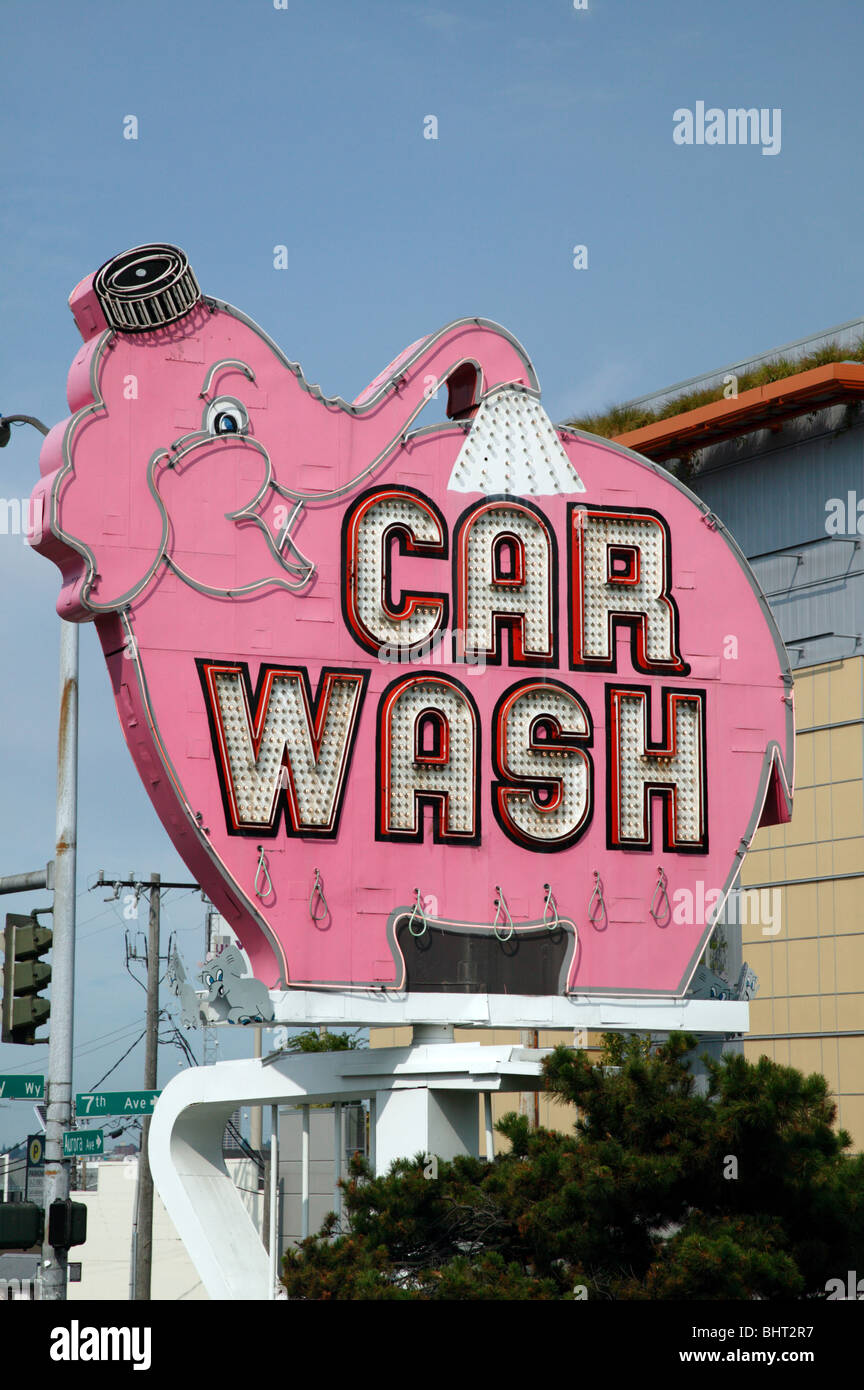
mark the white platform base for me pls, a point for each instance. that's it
(647, 1013)
(425, 1101)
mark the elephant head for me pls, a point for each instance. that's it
(194, 444)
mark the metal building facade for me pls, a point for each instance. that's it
(789, 495)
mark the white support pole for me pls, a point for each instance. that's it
(373, 1120)
(256, 1114)
(490, 1128)
(337, 1158)
(6, 1177)
(304, 1174)
(439, 1122)
(273, 1246)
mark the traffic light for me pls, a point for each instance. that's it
(24, 975)
(67, 1224)
(21, 1225)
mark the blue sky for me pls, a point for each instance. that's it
(304, 127)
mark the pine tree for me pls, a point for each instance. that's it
(665, 1189)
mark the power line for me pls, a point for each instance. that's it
(112, 1033)
(123, 921)
(84, 1048)
(99, 1047)
(117, 1063)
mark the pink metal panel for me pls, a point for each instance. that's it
(198, 552)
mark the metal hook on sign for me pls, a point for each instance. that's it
(418, 913)
(659, 898)
(262, 877)
(501, 905)
(318, 888)
(597, 905)
(550, 909)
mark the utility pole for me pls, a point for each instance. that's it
(58, 1082)
(144, 1249)
(143, 1235)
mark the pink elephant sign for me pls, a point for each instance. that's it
(482, 706)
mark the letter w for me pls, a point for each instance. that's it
(281, 743)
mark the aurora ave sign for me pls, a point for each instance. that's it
(77, 1143)
(453, 708)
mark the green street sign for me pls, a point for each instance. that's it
(22, 1087)
(82, 1142)
(117, 1103)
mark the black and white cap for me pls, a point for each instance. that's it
(145, 288)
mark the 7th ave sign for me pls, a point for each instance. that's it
(117, 1103)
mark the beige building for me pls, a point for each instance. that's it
(809, 1012)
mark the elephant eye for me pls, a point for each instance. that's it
(219, 976)
(226, 416)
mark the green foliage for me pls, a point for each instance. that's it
(313, 1041)
(723, 1258)
(618, 1048)
(414, 1237)
(665, 1189)
(620, 419)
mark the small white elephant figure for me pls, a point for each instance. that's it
(238, 998)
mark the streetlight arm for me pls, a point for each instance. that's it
(7, 420)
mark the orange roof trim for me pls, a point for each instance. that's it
(763, 407)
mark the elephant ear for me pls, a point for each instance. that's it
(95, 513)
(231, 961)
